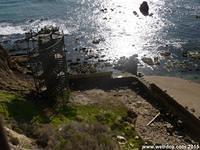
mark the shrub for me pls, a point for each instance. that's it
(46, 136)
(81, 136)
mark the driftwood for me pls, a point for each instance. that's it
(158, 114)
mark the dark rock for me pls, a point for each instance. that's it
(144, 8)
(96, 56)
(131, 117)
(184, 54)
(89, 57)
(147, 60)
(96, 41)
(101, 60)
(107, 64)
(135, 13)
(187, 139)
(69, 60)
(197, 17)
(165, 53)
(83, 49)
(151, 14)
(127, 64)
(140, 74)
(131, 114)
(14, 140)
(192, 110)
(104, 10)
(179, 123)
(156, 61)
(74, 64)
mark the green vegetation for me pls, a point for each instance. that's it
(17, 108)
(99, 123)
(128, 131)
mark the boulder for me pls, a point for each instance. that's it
(121, 139)
(144, 8)
(165, 53)
(20, 140)
(96, 41)
(147, 60)
(128, 64)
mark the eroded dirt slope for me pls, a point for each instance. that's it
(12, 79)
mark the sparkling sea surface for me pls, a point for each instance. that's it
(173, 26)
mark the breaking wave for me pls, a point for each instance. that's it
(10, 29)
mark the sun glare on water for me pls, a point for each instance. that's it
(131, 32)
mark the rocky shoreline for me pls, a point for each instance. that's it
(86, 108)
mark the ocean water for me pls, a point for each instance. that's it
(173, 25)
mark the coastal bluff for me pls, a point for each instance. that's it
(11, 79)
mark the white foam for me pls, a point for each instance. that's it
(37, 25)
(9, 29)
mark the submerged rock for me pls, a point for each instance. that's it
(156, 61)
(135, 13)
(147, 60)
(194, 54)
(69, 61)
(197, 17)
(104, 10)
(96, 41)
(165, 53)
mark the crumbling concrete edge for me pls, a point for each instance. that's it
(190, 122)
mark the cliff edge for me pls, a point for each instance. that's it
(12, 79)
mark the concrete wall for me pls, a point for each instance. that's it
(152, 92)
(191, 123)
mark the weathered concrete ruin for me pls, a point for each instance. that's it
(49, 67)
(48, 60)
